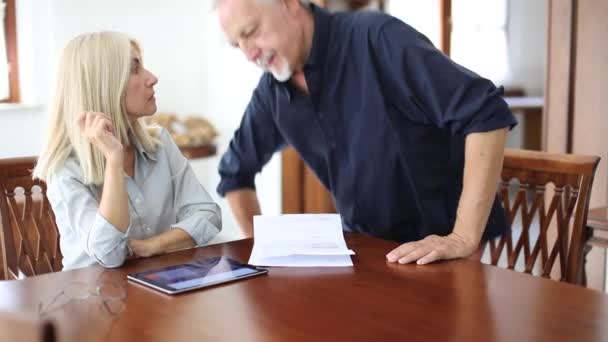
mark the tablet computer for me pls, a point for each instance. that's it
(196, 274)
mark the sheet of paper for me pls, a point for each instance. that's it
(302, 240)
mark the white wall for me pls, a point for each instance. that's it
(527, 41)
(182, 44)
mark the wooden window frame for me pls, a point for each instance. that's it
(10, 30)
(445, 22)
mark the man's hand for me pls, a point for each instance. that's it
(144, 248)
(483, 162)
(433, 248)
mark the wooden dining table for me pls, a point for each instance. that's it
(460, 300)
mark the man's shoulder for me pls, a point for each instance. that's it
(363, 22)
(372, 24)
(264, 90)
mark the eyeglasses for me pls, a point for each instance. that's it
(112, 295)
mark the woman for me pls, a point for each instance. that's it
(117, 187)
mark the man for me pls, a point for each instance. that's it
(409, 143)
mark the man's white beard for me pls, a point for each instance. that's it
(281, 75)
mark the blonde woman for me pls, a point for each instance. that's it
(117, 187)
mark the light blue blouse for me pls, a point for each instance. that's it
(163, 194)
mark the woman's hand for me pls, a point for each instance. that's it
(98, 129)
(144, 248)
(171, 240)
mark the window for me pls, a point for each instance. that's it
(479, 38)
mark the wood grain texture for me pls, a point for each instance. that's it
(373, 301)
(590, 119)
(15, 327)
(10, 27)
(559, 75)
(292, 169)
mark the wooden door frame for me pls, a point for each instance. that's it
(560, 76)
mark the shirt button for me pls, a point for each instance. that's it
(148, 229)
(138, 200)
(320, 115)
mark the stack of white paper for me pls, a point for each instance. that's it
(305, 240)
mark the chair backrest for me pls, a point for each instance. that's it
(29, 239)
(546, 200)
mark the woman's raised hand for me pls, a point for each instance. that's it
(98, 129)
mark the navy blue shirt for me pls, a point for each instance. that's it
(383, 126)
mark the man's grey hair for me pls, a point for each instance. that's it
(304, 3)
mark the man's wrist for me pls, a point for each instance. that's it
(471, 238)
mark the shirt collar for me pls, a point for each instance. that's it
(318, 50)
(139, 148)
(320, 37)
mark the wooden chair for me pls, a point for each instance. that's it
(15, 327)
(29, 239)
(549, 191)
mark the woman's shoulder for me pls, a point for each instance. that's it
(69, 170)
(66, 178)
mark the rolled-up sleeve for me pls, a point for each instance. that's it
(76, 208)
(430, 88)
(253, 144)
(197, 213)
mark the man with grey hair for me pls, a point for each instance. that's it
(409, 143)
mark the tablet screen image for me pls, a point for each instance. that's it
(196, 274)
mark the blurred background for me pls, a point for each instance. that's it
(551, 57)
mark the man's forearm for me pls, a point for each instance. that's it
(244, 204)
(483, 164)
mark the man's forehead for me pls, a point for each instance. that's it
(235, 12)
(236, 15)
(240, 8)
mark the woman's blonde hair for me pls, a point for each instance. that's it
(92, 77)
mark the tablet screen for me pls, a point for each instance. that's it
(196, 274)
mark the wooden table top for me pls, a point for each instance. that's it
(373, 301)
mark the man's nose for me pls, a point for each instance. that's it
(251, 52)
